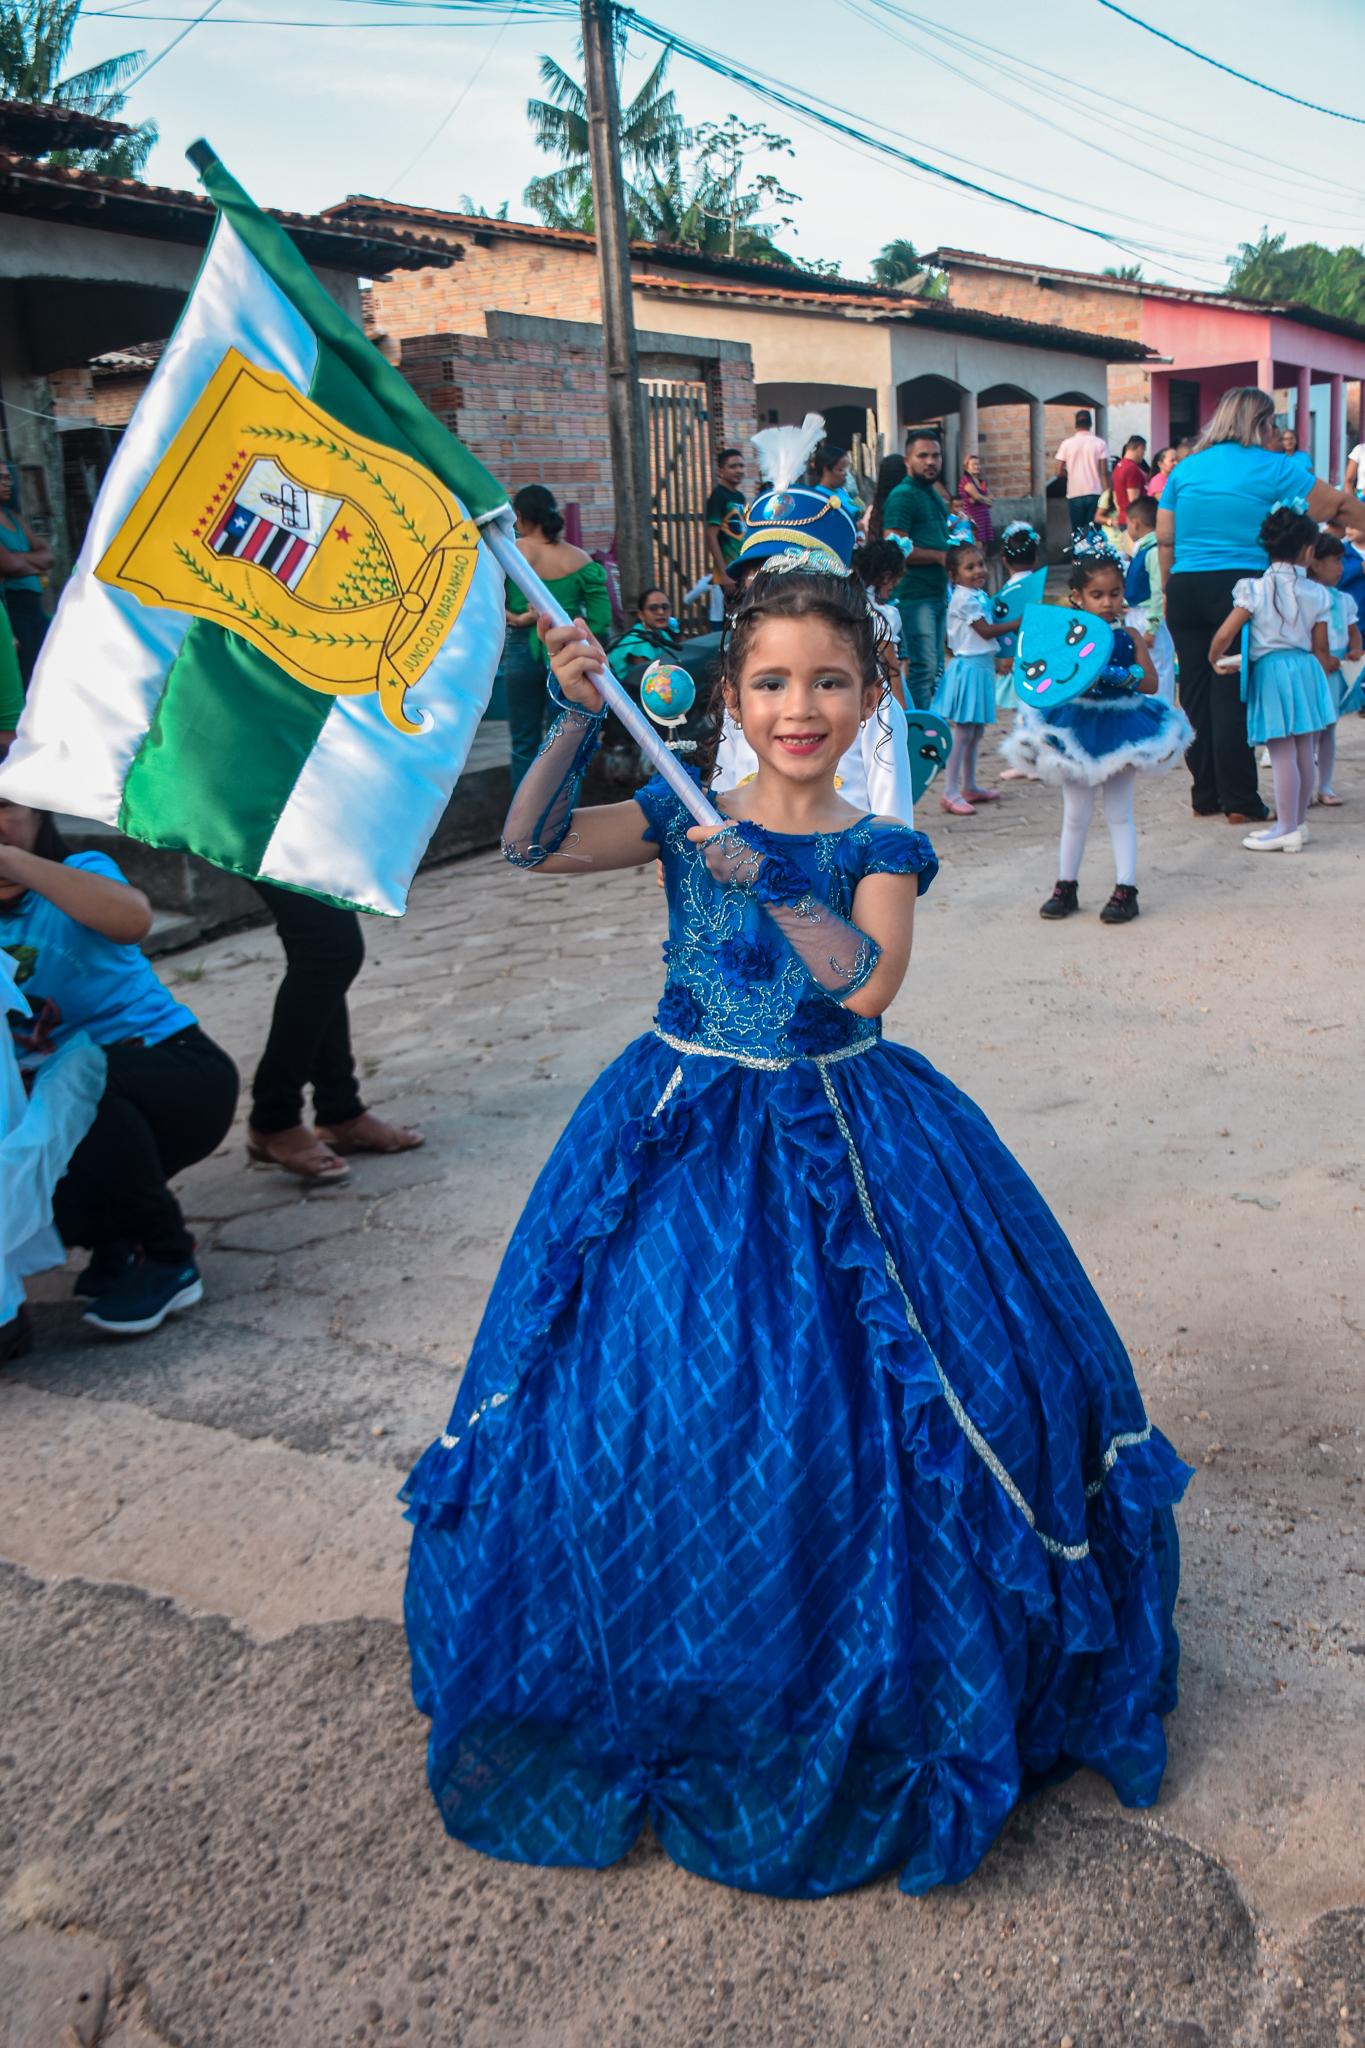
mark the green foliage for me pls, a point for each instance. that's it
(1126, 273)
(1332, 280)
(35, 36)
(477, 212)
(704, 203)
(900, 267)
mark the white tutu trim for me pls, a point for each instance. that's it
(1054, 754)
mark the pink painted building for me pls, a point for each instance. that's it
(1313, 363)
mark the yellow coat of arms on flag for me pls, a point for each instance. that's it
(342, 560)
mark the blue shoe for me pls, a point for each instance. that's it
(142, 1298)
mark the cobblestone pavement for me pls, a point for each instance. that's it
(214, 1829)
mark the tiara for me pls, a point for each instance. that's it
(1092, 544)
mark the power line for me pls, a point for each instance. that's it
(173, 44)
(1194, 140)
(1045, 88)
(455, 104)
(1246, 79)
(808, 108)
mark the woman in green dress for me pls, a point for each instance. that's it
(578, 582)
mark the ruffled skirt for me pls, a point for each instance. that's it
(966, 692)
(798, 1498)
(1288, 693)
(1091, 738)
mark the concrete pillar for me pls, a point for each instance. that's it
(1303, 415)
(952, 452)
(1101, 413)
(1336, 432)
(889, 418)
(1265, 375)
(1037, 447)
(967, 426)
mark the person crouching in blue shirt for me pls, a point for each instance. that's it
(74, 925)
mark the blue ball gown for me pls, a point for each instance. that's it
(798, 1498)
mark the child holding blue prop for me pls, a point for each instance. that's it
(966, 693)
(1100, 739)
(798, 1499)
(1344, 646)
(1290, 698)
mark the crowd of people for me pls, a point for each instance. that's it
(1176, 557)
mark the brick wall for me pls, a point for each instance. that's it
(509, 277)
(536, 412)
(1055, 304)
(533, 412)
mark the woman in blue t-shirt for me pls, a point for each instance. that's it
(74, 926)
(1212, 508)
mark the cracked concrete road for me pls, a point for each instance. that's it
(213, 1826)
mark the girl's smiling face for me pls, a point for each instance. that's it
(1103, 594)
(970, 569)
(801, 697)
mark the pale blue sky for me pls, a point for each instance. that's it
(306, 115)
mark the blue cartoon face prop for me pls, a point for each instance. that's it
(931, 742)
(1010, 603)
(1061, 652)
(667, 693)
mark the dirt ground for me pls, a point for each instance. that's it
(214, 1829)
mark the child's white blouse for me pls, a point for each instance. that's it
(963, 606)
(1285, 605)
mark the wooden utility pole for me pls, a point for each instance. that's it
(625, 399)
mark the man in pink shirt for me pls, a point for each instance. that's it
(1083, 460)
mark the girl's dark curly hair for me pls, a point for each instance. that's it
(840, 601)
(1020, 546)
(877, 558)
(955, 555)
(1285, 533)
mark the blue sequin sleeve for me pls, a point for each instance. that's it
(891, 849)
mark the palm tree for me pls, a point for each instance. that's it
(652, 134)
(1305, 273)
(900, 268)
(35, 36)
(1126, 273)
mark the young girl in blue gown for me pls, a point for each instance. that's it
(798, 1498)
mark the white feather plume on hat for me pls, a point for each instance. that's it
(783, 452)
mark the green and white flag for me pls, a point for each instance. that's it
(282, 631)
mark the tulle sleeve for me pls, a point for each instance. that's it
(891, 849)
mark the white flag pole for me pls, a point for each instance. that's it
(514, 565)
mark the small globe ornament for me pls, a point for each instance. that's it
(667, 693)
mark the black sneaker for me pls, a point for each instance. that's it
(141, 1298)
(107, 1267)
(1063, 902)
(1122, 906)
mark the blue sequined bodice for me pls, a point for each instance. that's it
(734, 985)
(1116, 678)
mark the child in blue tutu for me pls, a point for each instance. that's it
(1290, 697)
(798, 1498)
(966, 692)
(1101, 740)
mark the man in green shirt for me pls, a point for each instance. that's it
(725, 522)
(916, 516)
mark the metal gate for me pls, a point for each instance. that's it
(680, 480)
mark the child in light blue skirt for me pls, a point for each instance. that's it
(1290, 699)
(966, 694)
(1344, 646)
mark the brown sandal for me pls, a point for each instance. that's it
(309, 1158)
(347, 1138)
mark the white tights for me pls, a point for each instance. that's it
(1078, 808)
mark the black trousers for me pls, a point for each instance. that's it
(163, 1107)
(310, 1033)
(1221, 762)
